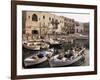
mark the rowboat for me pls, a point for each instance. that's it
(55, 62)
(35, 45)
(37, 58)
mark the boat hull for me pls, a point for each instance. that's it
(64, 63)
(34, 62)
(55, 62)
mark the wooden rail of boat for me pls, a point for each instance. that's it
(36, 47)
(29, 61)
(54, 62)
(30, 48)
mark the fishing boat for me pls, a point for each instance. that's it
(55, 62)
(35, 45)
(37, 58)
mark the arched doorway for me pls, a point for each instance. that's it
(34, 17)
(34, 32)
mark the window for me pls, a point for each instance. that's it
(52, 19)
(34, 17)
(56, 24)
(39, 19)
(49, 18)
(29, 17)
(52, 22)
(43, 24)
(81, 30)
(34, 32)
(77, 24)
(43, 17)
(77, 31)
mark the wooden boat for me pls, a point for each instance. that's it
(55, 62)
(35, 45)
(37, 58)
(51, 41)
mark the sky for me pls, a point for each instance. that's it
(76, 16)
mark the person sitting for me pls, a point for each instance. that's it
(60, 56)
(80, 48)
(40, 55)
(69, 54)
(66, 55)
(34, 57)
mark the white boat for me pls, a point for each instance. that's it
(37, 59)
(35, 45)
(51, 41)
(55, 62)
(31, 47)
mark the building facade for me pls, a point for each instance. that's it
(41, 24)
(79, 27)
(70, 25)
(86, 28)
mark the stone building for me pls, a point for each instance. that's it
(86, 28)
(70, 24)
(79, 27)
(41, 24)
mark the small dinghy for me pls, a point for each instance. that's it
(63, 61)
(37, 59)
(35, 45)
